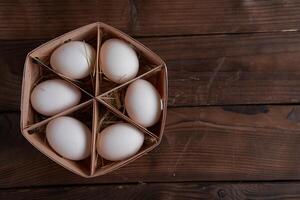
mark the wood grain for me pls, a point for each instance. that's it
(229, 143)
(12, 61)
(43, 19)
(231, 69)
(203, 70)
(221, 56)
(196, 190)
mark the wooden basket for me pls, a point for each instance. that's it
(102, 101)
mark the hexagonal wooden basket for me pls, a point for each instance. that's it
(102, 100)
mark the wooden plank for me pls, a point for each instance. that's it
(212, 143)
(44, 19)
(231, 69)
(216, 16)
(198, 190)
(47, 19)
(203, 70)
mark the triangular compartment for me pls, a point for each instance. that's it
(37, 137)
(88, 34)
(147, 59)
(106, 117)
(115, 97)
(39, 73)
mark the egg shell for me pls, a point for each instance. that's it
(143, 103)
(119, 141)
(119, 61)
(54, 96)
(73, 59)
(69, 137)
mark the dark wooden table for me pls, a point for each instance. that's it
(233, 125)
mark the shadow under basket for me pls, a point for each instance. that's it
(95, 109)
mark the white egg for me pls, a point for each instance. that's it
(143, 103)
(69, 137)
(119, 141)
(54, 96)
(73, 59)
(119, 61)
